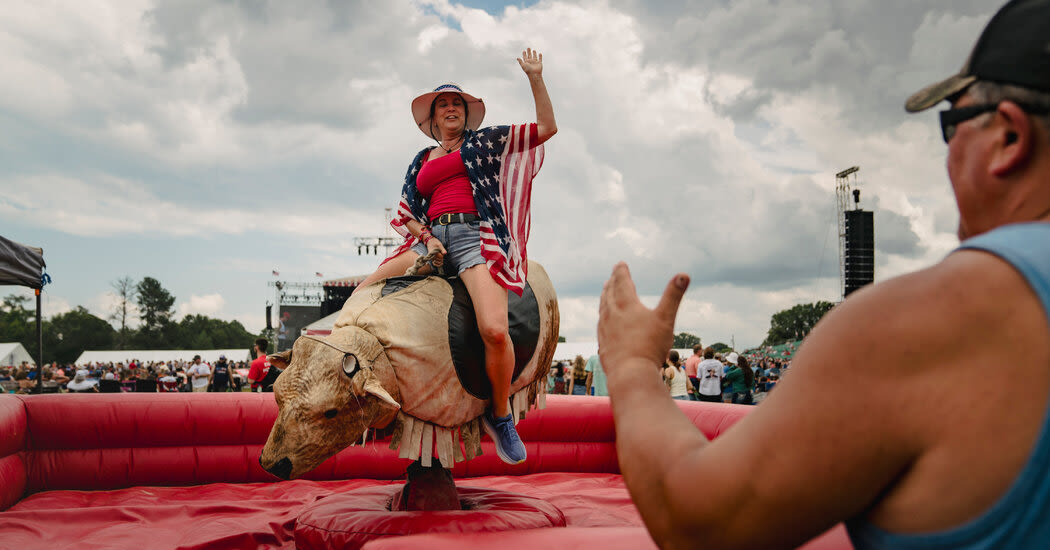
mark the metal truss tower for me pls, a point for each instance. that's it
(844, 185)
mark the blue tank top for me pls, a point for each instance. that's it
(1021, 518)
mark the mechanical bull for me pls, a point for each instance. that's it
(405, 349)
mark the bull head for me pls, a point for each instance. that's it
(330, 393)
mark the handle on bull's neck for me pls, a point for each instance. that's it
(420, 262)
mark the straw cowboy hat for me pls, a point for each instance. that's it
(421, 108)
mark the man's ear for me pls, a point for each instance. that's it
(1017, 136)
(280, 360)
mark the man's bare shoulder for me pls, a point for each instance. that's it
(841, 426)
(853, 413)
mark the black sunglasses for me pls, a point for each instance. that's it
(953, 117)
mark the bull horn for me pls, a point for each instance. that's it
(373, 387)
(388, 407)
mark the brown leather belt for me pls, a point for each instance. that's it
(446, 219)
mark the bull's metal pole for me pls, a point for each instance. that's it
(39, 348)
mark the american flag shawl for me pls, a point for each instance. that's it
(501, 162)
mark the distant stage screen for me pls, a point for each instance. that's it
(291, 320)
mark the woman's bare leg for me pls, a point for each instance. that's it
(490, 307)
(394, 268)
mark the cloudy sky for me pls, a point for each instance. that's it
(208, 143)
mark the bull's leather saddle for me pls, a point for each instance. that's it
(464, 339)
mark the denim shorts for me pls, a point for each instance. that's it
(462, 243)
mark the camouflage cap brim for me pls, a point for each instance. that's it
(936, 93)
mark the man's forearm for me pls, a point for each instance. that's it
(652, 436)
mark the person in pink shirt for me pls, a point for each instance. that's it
(690, 368)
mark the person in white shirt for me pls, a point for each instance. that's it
(709, 372)
(199, 373)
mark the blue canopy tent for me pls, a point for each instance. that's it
(24, 266)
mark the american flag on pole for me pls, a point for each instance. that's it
(501, 162)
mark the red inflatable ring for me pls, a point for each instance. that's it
(350, 519)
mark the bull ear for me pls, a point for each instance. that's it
(280, 360)
(388, 407)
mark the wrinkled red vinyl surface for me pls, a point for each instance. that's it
(349, 520)
(227, 516)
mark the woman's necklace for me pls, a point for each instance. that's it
(448, 150)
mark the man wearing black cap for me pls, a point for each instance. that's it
(220, 379)
(866, 430)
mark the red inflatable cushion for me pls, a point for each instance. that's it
(349, 520)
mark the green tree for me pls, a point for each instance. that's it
(201, 332)
(68, 335)
(795, 323)
(155, 311)
(720, 347)
(684, 340)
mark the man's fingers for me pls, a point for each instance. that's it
(621, 284)
(669, 302)
(611, 290)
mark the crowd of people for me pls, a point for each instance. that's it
(731, 378)
(704, 376)
(133, 375)
(578, 377)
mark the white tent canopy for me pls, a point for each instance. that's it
(12, 354)
(322, 326)
(155, 355)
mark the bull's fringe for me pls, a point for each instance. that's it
(417, 439)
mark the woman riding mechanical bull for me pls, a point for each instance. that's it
(465, 204)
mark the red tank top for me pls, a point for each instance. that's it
(444, 182)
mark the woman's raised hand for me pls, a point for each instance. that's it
(531, 62)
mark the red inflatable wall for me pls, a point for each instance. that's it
(110, 441)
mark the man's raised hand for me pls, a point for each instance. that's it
(629, 331)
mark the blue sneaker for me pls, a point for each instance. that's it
(508, 445)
